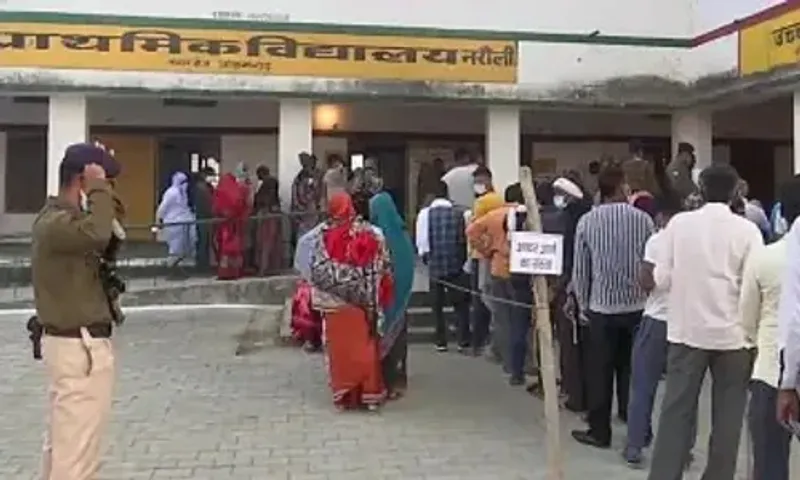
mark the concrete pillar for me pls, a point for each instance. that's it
(796, 132)
(695, 127)
(295, 132)
(68, 123)
(503, 145)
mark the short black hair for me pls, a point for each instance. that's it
(686, 147)
(482, 171)
(440, 190)
(544, 193)
(668, 204)
(610, 180)
(67, 173)
(635, 147)
(718, 183)
(789, 196)
(513, 194)
(334, 159)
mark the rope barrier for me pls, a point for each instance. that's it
(483, 295)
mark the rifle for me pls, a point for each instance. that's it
(113, 286)
(35, 332)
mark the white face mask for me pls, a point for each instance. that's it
(480, 189)
(696, 175)
(560, 201)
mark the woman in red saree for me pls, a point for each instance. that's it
(349, 245)
(231, 205)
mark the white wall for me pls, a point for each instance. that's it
(253, 150)
(539, 63)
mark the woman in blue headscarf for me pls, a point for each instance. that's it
(176, 209)
(393, 328)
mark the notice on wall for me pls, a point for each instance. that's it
(537, 253)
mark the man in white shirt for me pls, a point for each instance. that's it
(702, 264)
(761, 290)
(460, 181)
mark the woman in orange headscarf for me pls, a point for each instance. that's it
(353, 283)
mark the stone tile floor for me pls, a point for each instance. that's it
(186, 407)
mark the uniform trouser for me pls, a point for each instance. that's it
(686, 369)
(81, 381)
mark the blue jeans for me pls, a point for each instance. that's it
(519, 329)
(649, 360)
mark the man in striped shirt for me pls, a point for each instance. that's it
(609, 245)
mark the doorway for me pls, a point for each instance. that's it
(393, 168)
(755, 162)
(183, 153)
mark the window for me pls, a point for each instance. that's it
(26, 170)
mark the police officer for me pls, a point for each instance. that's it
(74, 311)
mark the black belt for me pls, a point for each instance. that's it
(96, 330)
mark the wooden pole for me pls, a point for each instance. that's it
(540, 318)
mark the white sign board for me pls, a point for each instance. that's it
(537, 253)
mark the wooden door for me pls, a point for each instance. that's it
(135, 185)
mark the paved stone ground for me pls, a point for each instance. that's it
(187, 408)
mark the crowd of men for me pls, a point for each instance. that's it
(669, 272)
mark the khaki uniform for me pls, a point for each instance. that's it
(75, 314)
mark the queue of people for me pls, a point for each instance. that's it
(234, 221)
(691, 288)
(666, 274)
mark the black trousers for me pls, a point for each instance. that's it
(443, 294)
(772, 443)
(394, 365)
(611, 344)
(573, 344)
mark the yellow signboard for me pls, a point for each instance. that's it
(112, 47)
(770, 44)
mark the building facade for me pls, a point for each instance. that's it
(553, 87)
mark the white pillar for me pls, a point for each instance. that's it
(796, 132)
(68, 123)
(295, 132)
(695, 127)
(503, 145)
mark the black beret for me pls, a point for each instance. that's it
(79, 155)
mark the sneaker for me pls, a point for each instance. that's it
(441, 348)
(633, 457)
